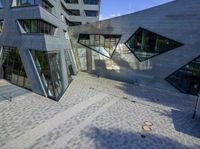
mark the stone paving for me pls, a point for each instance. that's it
(98, 113)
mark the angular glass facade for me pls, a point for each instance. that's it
(18, 3)
(187, 78)
(48, 67)
(38, 26)
(91, 2)
(103, 44)
(71, 1)
(12, 67)
(70, 71)
(1, 26)
(91, 13)
(145, 44)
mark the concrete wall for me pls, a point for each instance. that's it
(178, 20)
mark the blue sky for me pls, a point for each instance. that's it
(113, 8)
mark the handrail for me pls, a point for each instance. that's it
(196, 106)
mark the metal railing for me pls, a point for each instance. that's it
(196, 106)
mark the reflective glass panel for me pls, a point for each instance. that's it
(103, 44)
(12, 67)
(187, 79)
(146, 44)
(1, 26)
(48, 66)
(37, 26)
(18, 3)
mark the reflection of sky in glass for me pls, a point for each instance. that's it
(102, 50)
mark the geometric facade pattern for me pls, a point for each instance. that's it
(187, 78)
(145, 44)
(102, 44)
(34, 33)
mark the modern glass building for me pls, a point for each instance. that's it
(35, 48)
(47, 41)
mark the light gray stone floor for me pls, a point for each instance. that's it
(97, 113)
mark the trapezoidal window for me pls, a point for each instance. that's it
(48, 66)
(103, 44)
(145, 44)
(187, 78)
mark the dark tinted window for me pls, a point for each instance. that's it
(91, 13)
(146, 44)
(12, 67)
(71, 1)
(91, 2)
(187, 79)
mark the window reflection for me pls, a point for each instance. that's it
(146, 44)
(1, 25)
(91, 2)
(91, 13)
(1, 6)
(37, 26)
(71, 1)
(187, 79)
(12, 67)
(18, 3)
(103, 44)
(48, 66)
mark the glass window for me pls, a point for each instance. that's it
(1, 25)
(12, 66)
(18, 3)
(91, 2)
(46, 5)
(72, 12)
(187, 78)
(72, 23)
(71, 1)
(48, 66)
(146, 44)
(37, 26)
(103, 44)
(91, 13)
(1, 6)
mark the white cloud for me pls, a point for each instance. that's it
(109, 16)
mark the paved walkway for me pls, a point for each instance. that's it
(98, 113)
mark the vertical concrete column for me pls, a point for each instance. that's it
(89, 60)
(31, 72)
